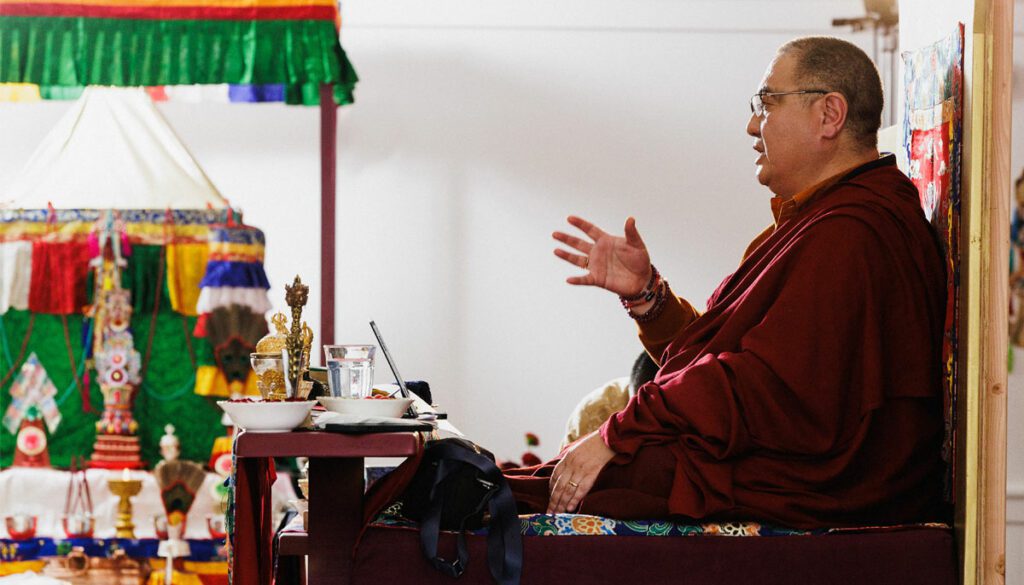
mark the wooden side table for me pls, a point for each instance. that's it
(335, 493)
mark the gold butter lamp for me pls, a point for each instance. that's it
(125, 488)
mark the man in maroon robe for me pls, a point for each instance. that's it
(808, 392)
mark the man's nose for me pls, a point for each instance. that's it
(754, 125)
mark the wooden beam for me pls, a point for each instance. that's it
(987, 220)
(998, 56)
(328, 194)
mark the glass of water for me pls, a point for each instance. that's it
(350, 370)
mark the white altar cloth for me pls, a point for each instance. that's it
(41, 492)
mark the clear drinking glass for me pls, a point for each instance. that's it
(350, 370)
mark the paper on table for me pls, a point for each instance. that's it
(323, 418)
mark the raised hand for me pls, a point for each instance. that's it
(618, 264)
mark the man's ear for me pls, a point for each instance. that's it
(833, 115)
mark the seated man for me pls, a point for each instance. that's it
(808, 393)
(600, 403)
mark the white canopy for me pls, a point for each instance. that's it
(112, 150)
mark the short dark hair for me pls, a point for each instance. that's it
(841, 66)
(643, 372)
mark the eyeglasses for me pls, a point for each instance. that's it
(757, 101)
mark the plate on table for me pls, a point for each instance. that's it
(367, 407)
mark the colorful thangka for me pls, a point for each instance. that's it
(933, 85)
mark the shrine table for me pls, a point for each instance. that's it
(336, 485)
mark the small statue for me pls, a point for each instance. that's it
(170, 446)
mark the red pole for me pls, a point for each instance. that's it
(328, 194)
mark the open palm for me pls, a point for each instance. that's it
(618, 264)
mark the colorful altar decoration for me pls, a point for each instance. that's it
(225, 50)
(31, 403)
(232, 307)
(129, 365)
(113, 349)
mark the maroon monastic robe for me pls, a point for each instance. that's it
(809, 392)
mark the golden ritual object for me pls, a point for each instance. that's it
(125, 488)
(274, 342)
(269, 370)
(296, 296)
(273, 376)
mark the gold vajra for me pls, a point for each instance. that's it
(296, 296)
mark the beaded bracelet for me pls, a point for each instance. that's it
(658, 306)
(646, 294)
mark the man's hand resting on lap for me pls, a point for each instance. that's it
(576, 472)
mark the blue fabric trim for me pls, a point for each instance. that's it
(36, 548)
(237, 235)
(240, 274)
(257, 93)
(179, 216)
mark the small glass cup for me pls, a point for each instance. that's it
(350, 370)
(21, 526)
(78, 525)
(269, 369)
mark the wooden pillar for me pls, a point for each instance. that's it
(982, 523)
(328, 195)
(996, 47)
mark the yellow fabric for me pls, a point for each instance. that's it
(207, 568)
(19, 92)
(177, 578)
(15, 567)
(141, 233)
(210, 381)
(193, 567)
(186, 265)
(250, 386)
(221, 445)
(237, 252)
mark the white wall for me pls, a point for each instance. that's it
(480, 126)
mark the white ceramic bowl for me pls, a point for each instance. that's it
(267, 417)
(376, 407)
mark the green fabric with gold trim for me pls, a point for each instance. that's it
(165, 395)
(289, 44)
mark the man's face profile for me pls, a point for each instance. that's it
(783, 132)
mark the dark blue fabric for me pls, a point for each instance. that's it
(240, 274)
(36, 548)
